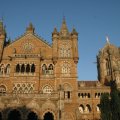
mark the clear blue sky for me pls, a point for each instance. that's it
(93, 19)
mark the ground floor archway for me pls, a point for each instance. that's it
(48, 116)
(0, 116)
(32, 116)
(14, 115)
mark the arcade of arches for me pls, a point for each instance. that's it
(15, 114)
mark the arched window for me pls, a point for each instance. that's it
(22, 68)
(2, 71)
(87, 109)
(2, 90)
(33, 68)
(67, 91)
(27, 68)
(50, 69)
(81, 109)
(7, 70)
(47, 89)
(44, 69)
(17, 68)
(88, 95)
(98, 108)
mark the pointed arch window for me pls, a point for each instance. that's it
(44, 69)
(17, 68)
(27, 68)
(7, 71)
(81, 108)
(33, 68)
(22, 68)
(87, 109)
(50, 69)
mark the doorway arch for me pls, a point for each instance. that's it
(14, 115)
(0, 116)
(32, 116)
(48, 116)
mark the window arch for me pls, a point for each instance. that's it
(67, 91)
(33, 68)
(98, 108)
(50, 69)
(81, 108)
(7, 70)
(17, 68)
(2, 69)
(22, 68)
(87, 109)
(2, 90)
(44, 69)
(47, 89)
(27, 68)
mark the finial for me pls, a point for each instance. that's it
(107, 39)
(30, 28)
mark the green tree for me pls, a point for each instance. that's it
(105, 107)
(110, 105)
(115, 101)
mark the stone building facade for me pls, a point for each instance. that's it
(38, 81)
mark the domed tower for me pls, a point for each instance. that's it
(2, 38)
(108, 64)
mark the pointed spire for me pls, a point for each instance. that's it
(2, 28)
(64, 29)
(55, 31)
(30, 29)
(74, 32)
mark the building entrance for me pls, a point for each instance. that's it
(14, 115)
(32, 116)
(48, 116)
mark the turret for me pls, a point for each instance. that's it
(74, 36)
(2, 38)
(55, 45)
